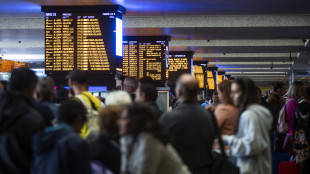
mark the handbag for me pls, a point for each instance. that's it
(220, 163)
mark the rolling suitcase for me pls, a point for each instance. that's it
(288, 167)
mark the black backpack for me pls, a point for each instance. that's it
(301, 133)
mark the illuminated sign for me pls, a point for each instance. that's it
(145, 56)
(85, 37)
(10, 65)
(198, 73)
(179, 62)
(210, 80)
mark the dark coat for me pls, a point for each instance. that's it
(106, 149)
(19, 121)
(60, 150)
(192, 135)
(154, 107)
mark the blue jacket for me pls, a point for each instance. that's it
(60, 150)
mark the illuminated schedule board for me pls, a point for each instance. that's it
(146, 56)
(85, 37)
(179, 62)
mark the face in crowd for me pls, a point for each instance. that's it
(236, 94)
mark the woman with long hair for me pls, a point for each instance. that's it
(251, 144)
(144, 144)
(226, 113)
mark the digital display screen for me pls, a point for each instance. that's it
(210, 80)
(198, 74)
(86, 38)
(145, 56)
(178, 63)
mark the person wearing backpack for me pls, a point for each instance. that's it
(294, 93)
(301, 130)
(78, 82)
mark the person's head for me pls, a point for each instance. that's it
(78, 80)
(243, 93)
(187, 88)
(215, 97)
(118, 98)
(45, 89)
(139, 118)
(295, 91)
(224, 91)
(307, 93)
(279, 89)
(259, 93)
(130, 84)
(146, 93)
(108, 117)
(72, 112)
(146, 80)
(23, 80)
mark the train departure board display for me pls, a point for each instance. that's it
(179, 62)
(146, 56)
(85, 37)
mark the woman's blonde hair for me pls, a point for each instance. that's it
(293, 90)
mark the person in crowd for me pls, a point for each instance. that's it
(266, 96)
(276, 100)
(295, 92)
(78, 82)
(226, 113)
(214, 102)
(250, 144)
(61, 94)
(118, 98)
(130, 85)
(160, 103)
(3, 85)
(147, 93)
(45, 93)
(106, 148)
(301, 129)
(263, 102)
(206, 103)
(144, 144)
(59, 149)
(190, 127)
(19, 121)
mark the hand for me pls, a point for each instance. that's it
(212, 108)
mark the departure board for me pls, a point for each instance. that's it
(146, 56)
(179, 62)
(85, 37)
(199, 74)
(10, 65)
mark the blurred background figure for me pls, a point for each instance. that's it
(45, 93)
(251, 143)
(144, 145)
(19, 121)
(130, 85)
(106, 148)
(147, 93)
(277, 101)
(190, 127)
(61, 94)
(59, 149)
(214, 102)
(226, 113)
(118, 98)
(294, 93)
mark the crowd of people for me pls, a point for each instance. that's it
(43, 130)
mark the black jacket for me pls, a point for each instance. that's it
(60, 150)
(19, 121)
(192, 135)
(107, 151)
(154, 107)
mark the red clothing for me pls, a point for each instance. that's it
(290, 108)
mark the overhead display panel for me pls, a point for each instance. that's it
(10, 65)
(179, 62)
(146, 56)
(85, 37)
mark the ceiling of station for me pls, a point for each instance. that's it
(236, 36)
